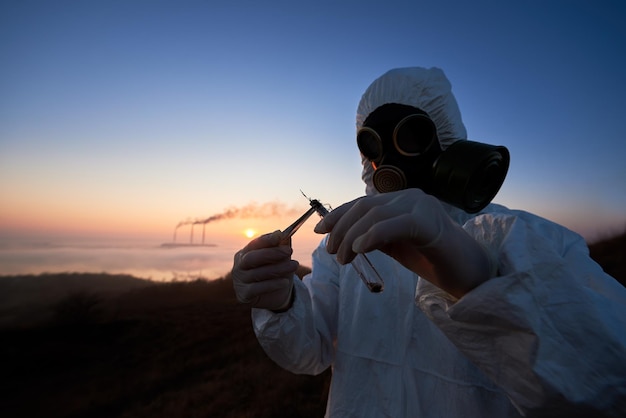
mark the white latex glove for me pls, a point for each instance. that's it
(263, 273)
(413, 228)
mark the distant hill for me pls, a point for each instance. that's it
(27, 298)
(611, 255)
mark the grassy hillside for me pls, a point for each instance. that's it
(95, 345)
(167, 350)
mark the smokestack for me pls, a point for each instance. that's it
(252, 210)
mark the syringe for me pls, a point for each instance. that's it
(362, 265)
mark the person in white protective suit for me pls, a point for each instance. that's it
(497, 313)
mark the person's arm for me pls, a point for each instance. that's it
(300, 339)
(521, 299)
(550, 328)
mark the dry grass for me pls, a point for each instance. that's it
(167, 350)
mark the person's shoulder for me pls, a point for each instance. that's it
(533, 223)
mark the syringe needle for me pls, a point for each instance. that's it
(362, 265)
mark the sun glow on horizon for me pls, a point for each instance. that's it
(249, 232)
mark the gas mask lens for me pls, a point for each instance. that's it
(412, 136)
(370, 144)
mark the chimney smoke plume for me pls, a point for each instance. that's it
(252, 210)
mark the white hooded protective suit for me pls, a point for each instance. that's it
(551, 326)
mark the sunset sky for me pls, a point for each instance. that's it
(121, 119)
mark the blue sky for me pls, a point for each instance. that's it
(124, 117)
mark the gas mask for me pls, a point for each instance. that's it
(402, 145)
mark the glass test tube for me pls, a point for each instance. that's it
(363, 266)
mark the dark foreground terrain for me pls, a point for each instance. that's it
(96, 345)
(183, 349)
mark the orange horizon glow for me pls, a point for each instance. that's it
(161, 227)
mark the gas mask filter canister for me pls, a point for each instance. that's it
(402, 145)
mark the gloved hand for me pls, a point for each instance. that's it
(263, 273)
(413, 228)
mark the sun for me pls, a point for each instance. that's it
(249, 232)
